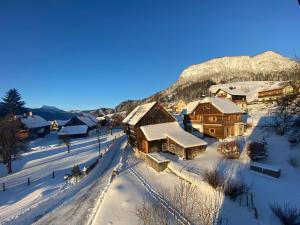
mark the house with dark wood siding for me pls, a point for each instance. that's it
(83, 119)
(234, 95)
(215, 117)
(150, 128)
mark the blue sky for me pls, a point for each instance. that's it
(88, 54)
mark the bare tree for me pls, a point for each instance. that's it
(286, 106)
(198, 207)
(9, 140)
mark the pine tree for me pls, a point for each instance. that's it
(12, 103)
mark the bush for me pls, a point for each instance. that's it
(213, 178)
(76, 171)
(231, 150)
(233, 189)
(256, 150)
(288, 215)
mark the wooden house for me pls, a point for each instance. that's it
(34, 125)
(275, 91)
(234, 95)
(150, 128)
(83, 119)
(58, 124)
(215, 117)
(77, 131)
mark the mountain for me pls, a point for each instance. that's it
(267, 65)
(52, 113)
(195, 80)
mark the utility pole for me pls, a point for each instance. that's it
(99, 139)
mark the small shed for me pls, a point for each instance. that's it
(78, 131)
(157, 161)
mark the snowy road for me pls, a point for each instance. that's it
(22, 204)
(78, 209)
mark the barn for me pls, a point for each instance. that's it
(35, 125)
(83, 119)
(77, 131)
(150, 128)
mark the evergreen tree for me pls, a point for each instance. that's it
(12, 103)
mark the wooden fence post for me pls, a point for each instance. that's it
(28, 181)
(53, 175)
(3, 186)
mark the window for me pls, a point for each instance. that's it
(212, 119)
(172, 148)
(212, 131)
(164, 147)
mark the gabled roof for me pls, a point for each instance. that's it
(91, 117)
(224, 105)
(87, 121)
(278, 85)
(232, 91)
(71, 130)
(190, 107)
(173, 131)
(138, 113)
(60, 122)
(34, 121)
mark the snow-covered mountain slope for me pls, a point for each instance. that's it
(195, 80)
(218, 69)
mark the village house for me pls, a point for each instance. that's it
(275, 91)
(234, 95)
(150, 128)
(214, 117)
(77, 131)
(58, 124)
(174, 107)
(83, 119)
(33, 125)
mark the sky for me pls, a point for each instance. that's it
(90, 54)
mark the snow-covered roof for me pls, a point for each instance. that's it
(69, 130)
(34, 121)
(60, 122)
(157, 157)
(224, 105)
(138, 113)
(91, 117)
(174, 131)
(232, 91)
(277, 85)
(190, 107)
(86, 120)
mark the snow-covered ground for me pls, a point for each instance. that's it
(22, 203)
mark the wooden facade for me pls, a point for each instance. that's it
(274, 94)
(239, 99)
(158, 115)
(76, 121)
(212, 122)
